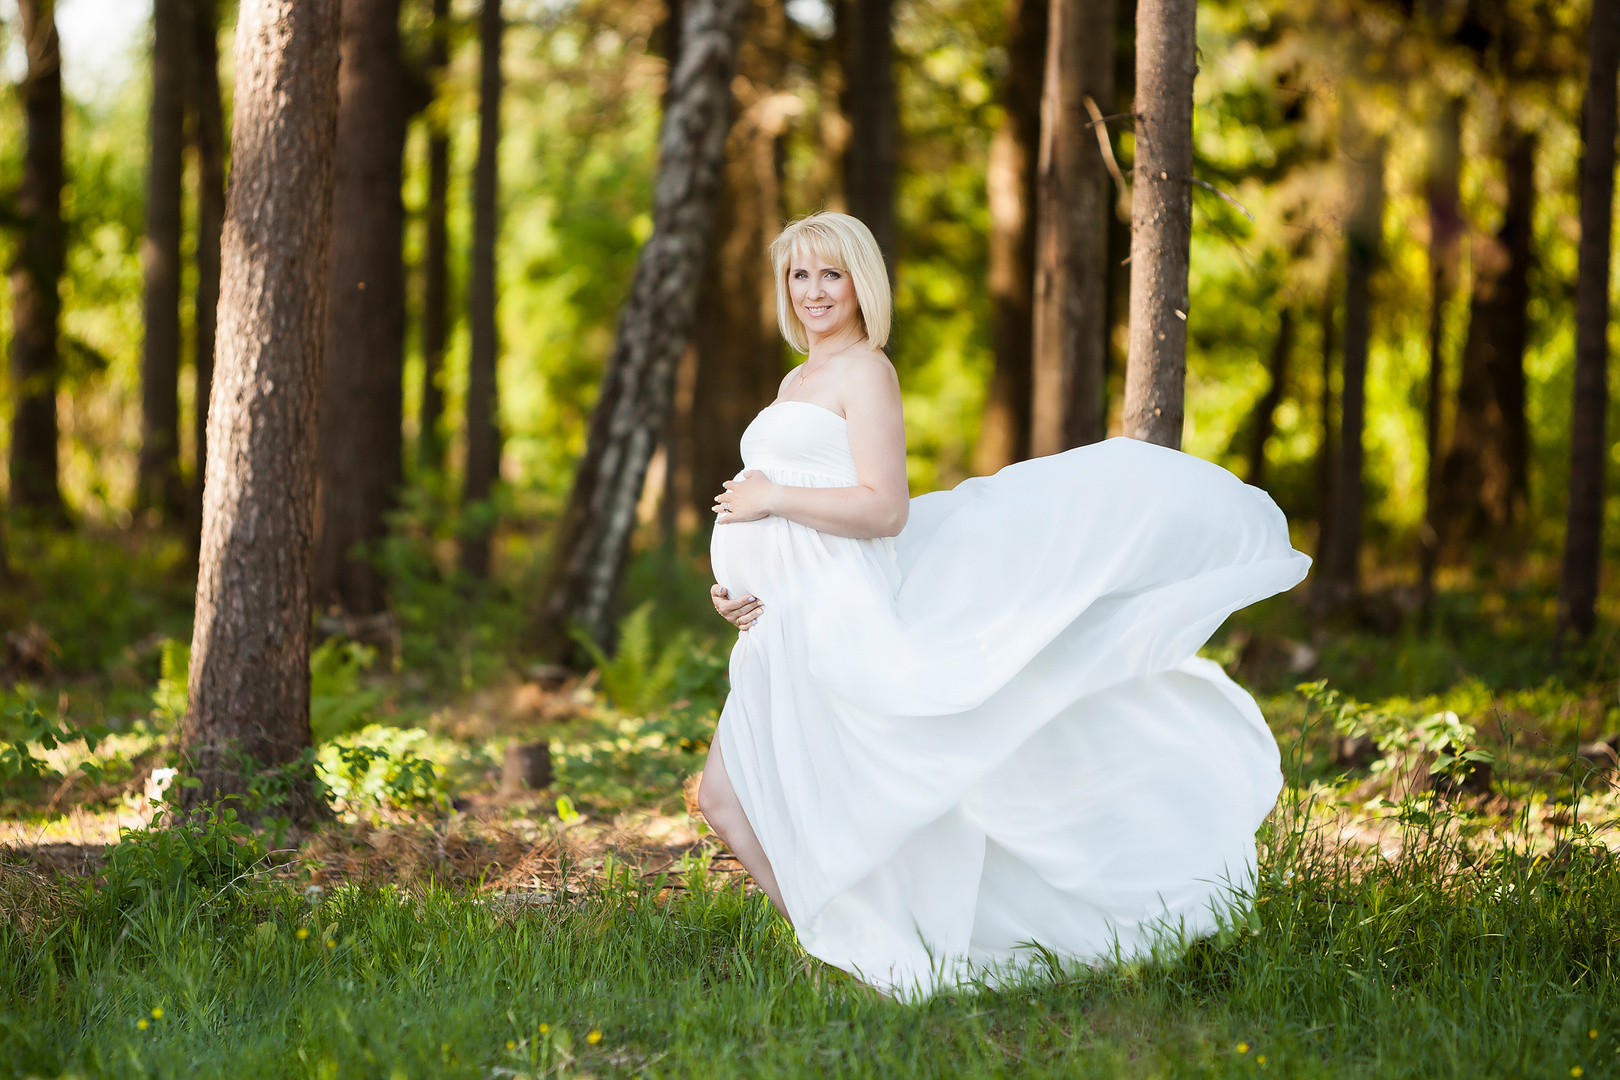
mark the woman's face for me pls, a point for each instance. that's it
(823, 295)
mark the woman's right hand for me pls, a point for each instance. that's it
(739, 613)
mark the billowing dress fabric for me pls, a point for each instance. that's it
(994, 730)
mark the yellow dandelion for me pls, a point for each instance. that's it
(544, 1028)
(331, 944)
(1260, 1059)
(157, 1012)
(1576, 1070)
(142, 1024)
(1592, 1034)
(1243, 1048)
(594, 1037)
(303, 932)
(510, 1045)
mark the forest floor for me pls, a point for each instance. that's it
(1437, 895)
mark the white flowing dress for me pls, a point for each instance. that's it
(994, 732)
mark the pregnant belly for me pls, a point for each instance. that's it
(747, 556)
(778, 560)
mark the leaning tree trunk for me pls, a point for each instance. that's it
(483, 432)
(436, 253)
(1265, 411)
(1161, 220)
(869, 104)
(36, 306)
(1341, 555)
(208, 137)
(1004, 431)
(1445, 230)
(249, 685)
(1073, 207)
(739, 350)
(161, 486)
(361, 467)
(1583, 540)
(593, 540)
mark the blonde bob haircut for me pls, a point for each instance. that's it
(842, 241)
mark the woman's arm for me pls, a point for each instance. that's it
(880, 501)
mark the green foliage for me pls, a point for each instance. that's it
(17, 758)
(337, 703)
(185, 858)
(640, 675)
(380, 771)
(170, 698)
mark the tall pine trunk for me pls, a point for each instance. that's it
(869, 104)
(1327, 408)
(483, 432)
(436, 254)
(161, 486)
(361, 466)
(208, 140)
(36, 305)
(1014, 151)
(1265, 411)
(1341, 554)
(1445, 231)
(1161, 220)
(1073, 207)
(1583, 539)
(593, 542)
(249, 684)
(739, 349)
(1507, 361)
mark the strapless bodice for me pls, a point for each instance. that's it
(800, 438)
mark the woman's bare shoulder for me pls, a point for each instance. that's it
(867, 368)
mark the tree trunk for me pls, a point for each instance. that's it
(1477, 491)
(249, 684)
(208, 138)
(1341, 556)
(593, 540)
(36, 311)
(739, 349)
(483, 432)
(161, 485)
(436, 255)
(361, 465)
(1583, 540)
(1506, 362)
(869, 103)
(1265, 412)
(1326, 448)
(1161, 220)
(1073, 206)
(1445, 229)
(1004, 430)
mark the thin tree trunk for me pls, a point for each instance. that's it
(869, 103)
(1445, 230)
(1004, 430)
(436, 256)
(1477, 481)
(249, 684)
(208, 137)
(1507, 359)
(483, 432)
(361, 466)
(593, 541)
(1583, 540)
(1070, 355)
(739, 349)
(1265, 412)
(1341, 558)
(1326, 448)
(161, 485)
(1161, 220)
(36, 311)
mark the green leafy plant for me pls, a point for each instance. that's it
(378, 771)
(337, 702)
(169, 700)
(186, 858)
(17, 758)
(639, 677)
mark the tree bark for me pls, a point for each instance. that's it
(360, 458)
(1445, 230)
(36, 305)
(1583, 539)
(1477, 483)
(249, 683)
(593, 541)
(739, 349)
(1265, 412)
(1014, 151)
(1326, 447)
(208, 139)
(1073, 206)
(483, 432)
(161, 485)
(869, 103)
(436, 255)
(1161, 220)
(1341, 557)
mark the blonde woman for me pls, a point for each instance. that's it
(974, 722)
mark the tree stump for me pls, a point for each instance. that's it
(527, 768)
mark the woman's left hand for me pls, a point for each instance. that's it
(747, 499)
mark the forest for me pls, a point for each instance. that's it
(370, 368)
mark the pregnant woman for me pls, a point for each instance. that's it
(974, 722)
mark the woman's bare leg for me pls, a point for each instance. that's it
(724, 813)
